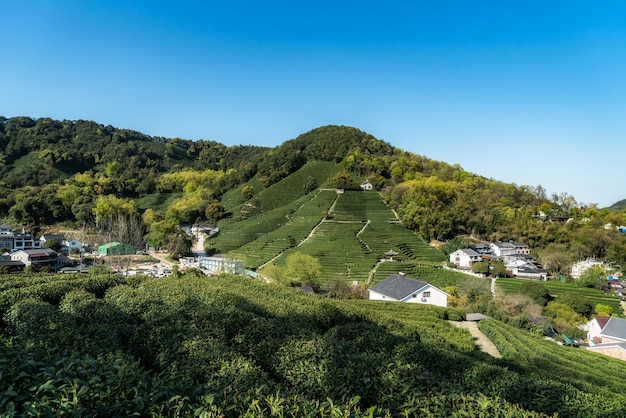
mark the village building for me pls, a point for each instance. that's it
(607, 336)
(579, 268)
(483, 249)
(526, 270)
(16, 240)
(219, 264)
(400, 288)
(366, 185)
(520, 248)
(37, 258)
(503, 249)
(465, 257)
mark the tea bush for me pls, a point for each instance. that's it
(228, 346)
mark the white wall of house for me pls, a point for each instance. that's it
(462, 259)
(378, 296)
(21, 256)
(502, 249)
(579, 268)
(428, 295)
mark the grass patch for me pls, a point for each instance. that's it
(157, 201)
(511, 286)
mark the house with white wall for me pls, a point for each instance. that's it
(520, 248)
(367, 185)
(607, 336)
(526, 270)
(37, 258)
(465, 257)
(400, 288)
(579, 268)
(502, 249)
(219, 265)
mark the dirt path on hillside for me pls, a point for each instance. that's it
(307, 237)
(483, 343)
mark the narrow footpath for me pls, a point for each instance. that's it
(483, 343)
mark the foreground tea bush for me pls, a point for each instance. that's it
(198, 346)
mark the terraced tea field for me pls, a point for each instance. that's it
(511, 286)
(351, 243)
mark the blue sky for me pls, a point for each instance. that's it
(525, 92)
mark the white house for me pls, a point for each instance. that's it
(366, 185)
(37, 257)
(220, 265)
(399, 288)
(524, 269)
(594, 329)
(465, 257)
(607, 336)
(520, 247)
(59, 238)
(502, 249)
(579, 268)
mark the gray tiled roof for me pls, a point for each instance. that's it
(56, 237)
(470, 252)
(615, 328)
(398, 286)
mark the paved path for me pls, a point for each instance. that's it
(483, 343)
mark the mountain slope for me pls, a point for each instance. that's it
(619, 206)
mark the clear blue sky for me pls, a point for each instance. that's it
(525, 92)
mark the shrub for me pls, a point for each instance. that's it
(536, 291)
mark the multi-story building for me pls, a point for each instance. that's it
(219, 264)
(37, 258)
(17, 241)
(579, 268)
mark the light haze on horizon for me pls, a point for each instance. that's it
(528, 93)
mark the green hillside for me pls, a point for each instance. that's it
(82, 174)
(619, 206)
(354, 238)
(230, 347)
(349, 242)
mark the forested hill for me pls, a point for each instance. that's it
(82, 171)
(38, 152)
(619, 206)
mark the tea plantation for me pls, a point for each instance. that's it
(349, 232)
(595, 296)
(189, 345)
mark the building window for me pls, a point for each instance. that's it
(426, 294)
(414, 295)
